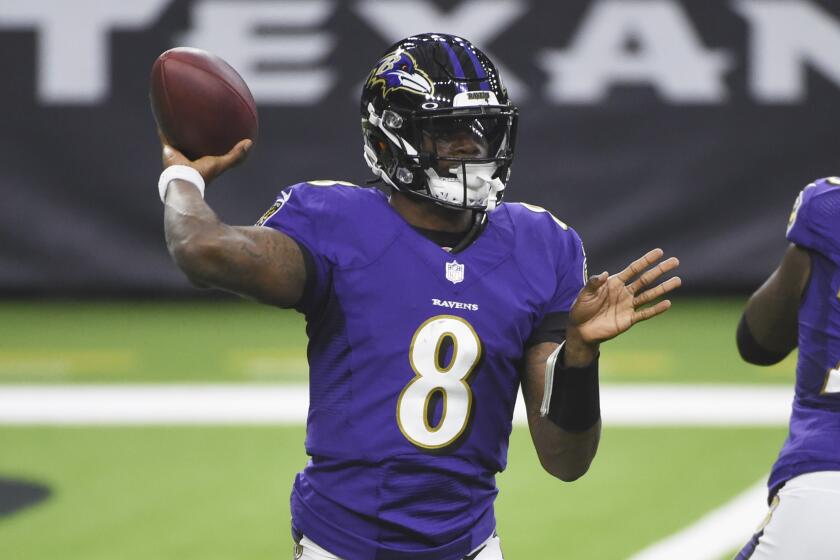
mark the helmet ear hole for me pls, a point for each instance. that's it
(379, 144)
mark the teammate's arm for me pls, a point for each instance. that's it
(254, 262)
(768, 329)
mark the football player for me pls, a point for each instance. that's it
(427, 303)
(798, 306)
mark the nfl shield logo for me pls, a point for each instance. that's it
(454, 272)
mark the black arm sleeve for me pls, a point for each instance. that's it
(552, 329)
(575, 402)
(751, 351)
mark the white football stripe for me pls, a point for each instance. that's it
(622, 405)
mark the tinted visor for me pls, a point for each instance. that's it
(468, 135)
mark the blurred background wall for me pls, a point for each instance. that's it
(686, 125)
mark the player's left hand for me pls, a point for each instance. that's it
(609, 305)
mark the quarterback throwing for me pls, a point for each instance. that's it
(428, 302)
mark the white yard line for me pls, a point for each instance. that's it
(153, 404)
(622, 405)
(696, 405)
(717, 533)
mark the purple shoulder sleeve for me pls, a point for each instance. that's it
(300, 212)
(815, 220)
(571, 271)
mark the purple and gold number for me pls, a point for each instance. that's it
(449, 381)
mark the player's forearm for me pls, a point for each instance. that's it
(192, 232)
(566, 426)
(565, 455)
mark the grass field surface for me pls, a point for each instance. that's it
(184, 492)
(222, 493)
(240, 341)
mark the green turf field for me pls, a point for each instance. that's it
(240, 341)
(222, 492)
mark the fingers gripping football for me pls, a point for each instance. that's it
(209, 167)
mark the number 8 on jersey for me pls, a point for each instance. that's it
(449, 381)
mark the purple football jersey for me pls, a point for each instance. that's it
(813, 443)
(413, 355)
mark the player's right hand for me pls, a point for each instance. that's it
(209, 167)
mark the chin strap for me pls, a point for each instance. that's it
(480, 176)
(479, 221)
(496, 186)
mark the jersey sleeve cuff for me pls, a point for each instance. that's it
(306, 301)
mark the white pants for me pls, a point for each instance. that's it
(804, 520)
(308, 550)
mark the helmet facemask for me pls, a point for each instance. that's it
(458, 157)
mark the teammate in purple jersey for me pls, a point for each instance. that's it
(428, 304)
(799, 306)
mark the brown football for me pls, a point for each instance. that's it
(201, 104)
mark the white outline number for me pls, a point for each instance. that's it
(449, 381)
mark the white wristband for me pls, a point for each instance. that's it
(182, 173)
